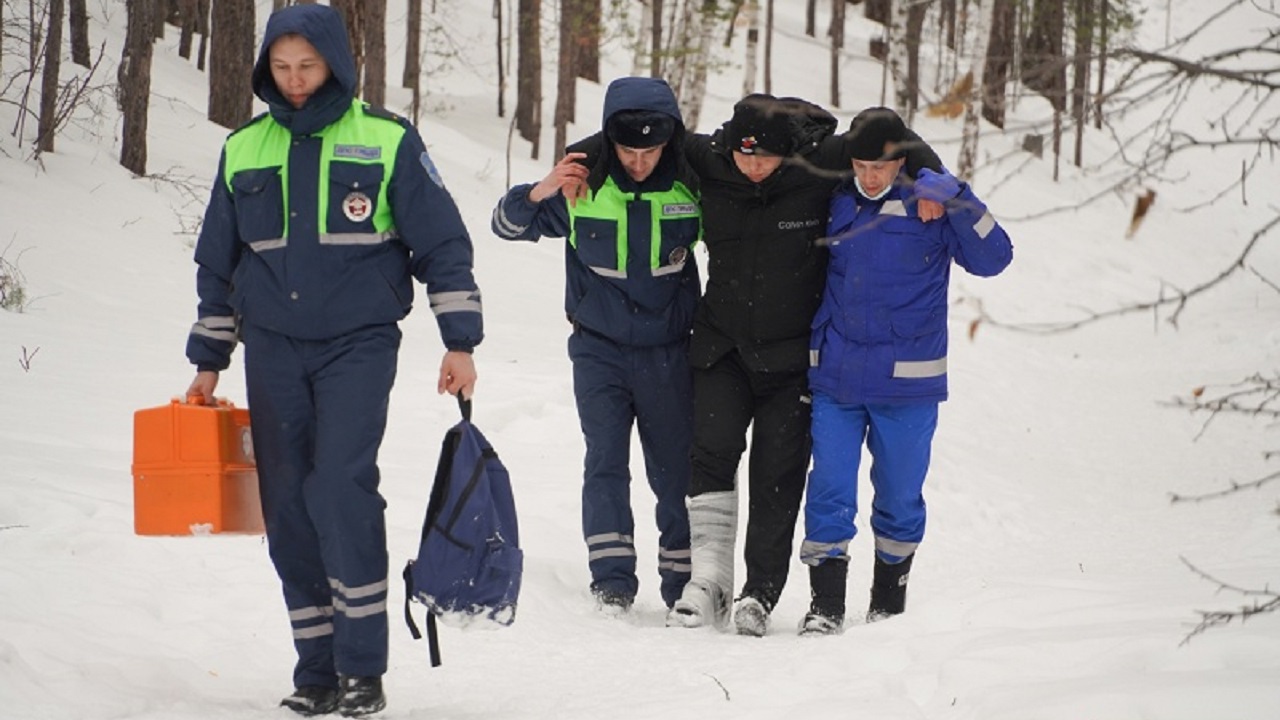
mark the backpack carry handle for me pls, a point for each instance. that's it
(464, 406)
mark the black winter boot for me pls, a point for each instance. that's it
(361, 696)
(889, 589)
(312, 700)
(827, 581)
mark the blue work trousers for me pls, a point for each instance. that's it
(617, 386)
(318, 411)
(900, 439)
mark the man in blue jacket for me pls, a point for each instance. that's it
(631, 286)
(323, 212)
(878, 359)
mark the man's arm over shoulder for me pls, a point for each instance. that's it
(429, 223)
(978, 243)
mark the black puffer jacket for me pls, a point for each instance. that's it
(766, 272)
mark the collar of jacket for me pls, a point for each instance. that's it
(320, 111)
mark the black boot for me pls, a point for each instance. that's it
(361, 696)
(312, 700)
(827, 581)
(889, 589)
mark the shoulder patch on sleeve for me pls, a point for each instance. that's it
(385, 114)
(430, 167)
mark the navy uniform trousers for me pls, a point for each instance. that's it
(618, 386)
(318, 412)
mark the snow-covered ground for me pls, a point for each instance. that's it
(1051, 585)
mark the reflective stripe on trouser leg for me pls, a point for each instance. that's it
(831, 498)
(605, 414)
(900, 440)
(662, 391)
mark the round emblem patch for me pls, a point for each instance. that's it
(357, 207)
(678, 255)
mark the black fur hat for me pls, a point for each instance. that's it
(640, 128)
(761, 123)
(878, 133)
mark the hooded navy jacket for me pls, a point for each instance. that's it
(650, 299)
(321, 216)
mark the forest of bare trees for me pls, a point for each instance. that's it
(1074, 55)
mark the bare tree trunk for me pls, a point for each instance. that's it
(655, 53)
(188, 31)
(768, 46)
(968, 158)
(640, 55)
(502, 67)
(1044, 69)
(1102, 62)
(566, 75)
(679, 53)
(158, 14)
(231, 61)
(529, 74)
(35, 34)
(202, 27)
(810, 17)
(353, 14)
(134, 82)
(48, 123)
(587, 54)
(836, 31)
(878, 11)
(995, 76)
(915, 27)
(947, 17)
(375, 48)
(78, 22)
(749, 68)
(412, 47)
(1080, 74)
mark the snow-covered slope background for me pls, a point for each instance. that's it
(1051, 584)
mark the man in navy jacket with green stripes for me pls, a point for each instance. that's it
(631, 286)
(323, 212)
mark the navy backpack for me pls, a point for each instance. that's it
(469, 562)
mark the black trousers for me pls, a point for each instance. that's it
(729, 398)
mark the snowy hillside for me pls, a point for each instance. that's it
(1051, 585)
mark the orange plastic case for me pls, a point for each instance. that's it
(193, 470)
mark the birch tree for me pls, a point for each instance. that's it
(967, 160)
(751, 14)
(694, 88)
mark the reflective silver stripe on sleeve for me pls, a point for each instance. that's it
(218, 328)
(354, 593)
(812, 553)
(272, 244)
(814, 356)
(310, 613)
(920, 368)
(985, 225)
(893, 207)
(508, 228)
(356, 238)
(314, 631)
(456, 301)
(894, 547)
